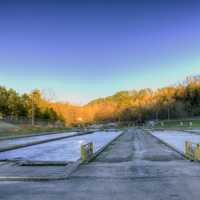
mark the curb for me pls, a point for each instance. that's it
(70, 168)
(173, 129)
(104, 147)
(193, 132)
(40, 163)
(33, 135)
(17, 178)
(80, 162)
(41, 142)
(168, 145)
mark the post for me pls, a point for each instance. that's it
(87, 151)
(187, 149)
(33, 111)
(168, 113)
(192, 151)
(181, 123)
(197, 152)
(156, 115)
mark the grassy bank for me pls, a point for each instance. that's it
(180, 124)
(7, 130)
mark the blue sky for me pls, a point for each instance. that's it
(89, 49)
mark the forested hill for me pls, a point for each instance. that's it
(178, 101)
(16, 107)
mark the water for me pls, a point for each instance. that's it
(177, 138)
(62, 150)
(26, 140)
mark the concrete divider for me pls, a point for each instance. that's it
(41, 163)
(104, 147)
(166, 144)
(17, 146)
(196, 132)
(187, 154)
(192, 150)
(70, 168)
(32, 135)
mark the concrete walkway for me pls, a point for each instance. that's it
(136, 166)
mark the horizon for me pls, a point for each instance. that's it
(81, 52)
(50, 95)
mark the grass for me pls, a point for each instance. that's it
(7, 130)
(177, 124)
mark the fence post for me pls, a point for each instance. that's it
(197, 152)
(87, 151)
(188, 150)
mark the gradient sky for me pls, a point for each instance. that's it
(89, 49)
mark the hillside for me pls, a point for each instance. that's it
(173, 102)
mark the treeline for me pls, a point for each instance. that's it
(178, 101)
(21, 108)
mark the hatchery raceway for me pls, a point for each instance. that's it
(136, 165)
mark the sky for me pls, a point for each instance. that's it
(81, 50)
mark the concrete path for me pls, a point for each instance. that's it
(136, 166)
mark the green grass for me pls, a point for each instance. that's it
(176, 124)
(28, 130)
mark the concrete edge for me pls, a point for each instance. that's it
(41, 163)
(173, 129)
(80, 162)
(33, 143)
(42, 141)
(104, 147)
(69, 169)
(33, 135)
(193, 132)
(40, 134)
(166, 144)
(24, 178)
